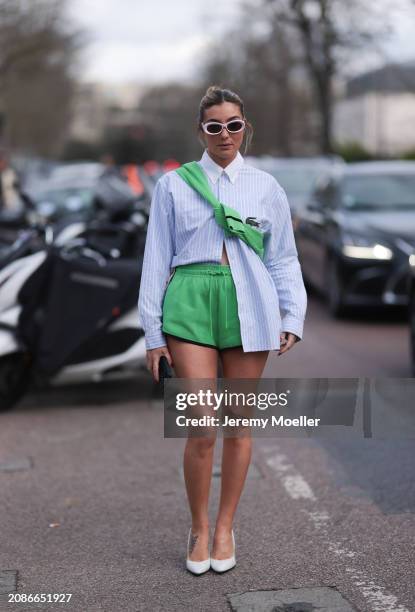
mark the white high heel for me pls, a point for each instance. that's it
(196, 567)
(222, 565)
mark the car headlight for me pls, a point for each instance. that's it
(359, 247)
(412, 260)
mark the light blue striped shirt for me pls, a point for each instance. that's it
(182, 229)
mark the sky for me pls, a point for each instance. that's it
(159, 40)
(151, 40)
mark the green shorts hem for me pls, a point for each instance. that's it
(237, 343)
(198, 340)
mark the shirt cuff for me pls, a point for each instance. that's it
(293, 325)
(155, 339)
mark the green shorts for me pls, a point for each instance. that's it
(200, 306)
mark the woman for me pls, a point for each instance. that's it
(206, 293)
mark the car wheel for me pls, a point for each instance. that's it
(412, 331)
(15, 377)
(334, 290)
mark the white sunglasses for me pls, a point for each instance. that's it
(213, 128)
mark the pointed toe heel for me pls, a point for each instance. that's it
(196, 567)
(223, 565)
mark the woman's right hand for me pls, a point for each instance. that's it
(153, 358)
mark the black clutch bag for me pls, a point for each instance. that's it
(165, 370)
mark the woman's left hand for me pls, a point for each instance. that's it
(287, 340)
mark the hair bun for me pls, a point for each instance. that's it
(212, 89)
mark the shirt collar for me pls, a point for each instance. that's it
(214, 171)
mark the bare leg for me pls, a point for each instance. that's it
(236, 454)
(193, 361)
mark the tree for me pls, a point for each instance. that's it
(258, 59)
(37, 54)
(329, 33)
(170, 113)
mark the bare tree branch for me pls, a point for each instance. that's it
(38, 49)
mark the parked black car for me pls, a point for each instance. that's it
(357, 232)
(296, 175)
(412, 309)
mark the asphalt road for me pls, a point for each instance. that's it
(371, 342)
(93, 500)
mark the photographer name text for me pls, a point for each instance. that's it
(273, 421)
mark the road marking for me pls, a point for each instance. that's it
(293, 482)
(379, 600)
(16, 464)
(8, 582)
(298, 488)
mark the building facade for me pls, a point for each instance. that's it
(377, 111)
